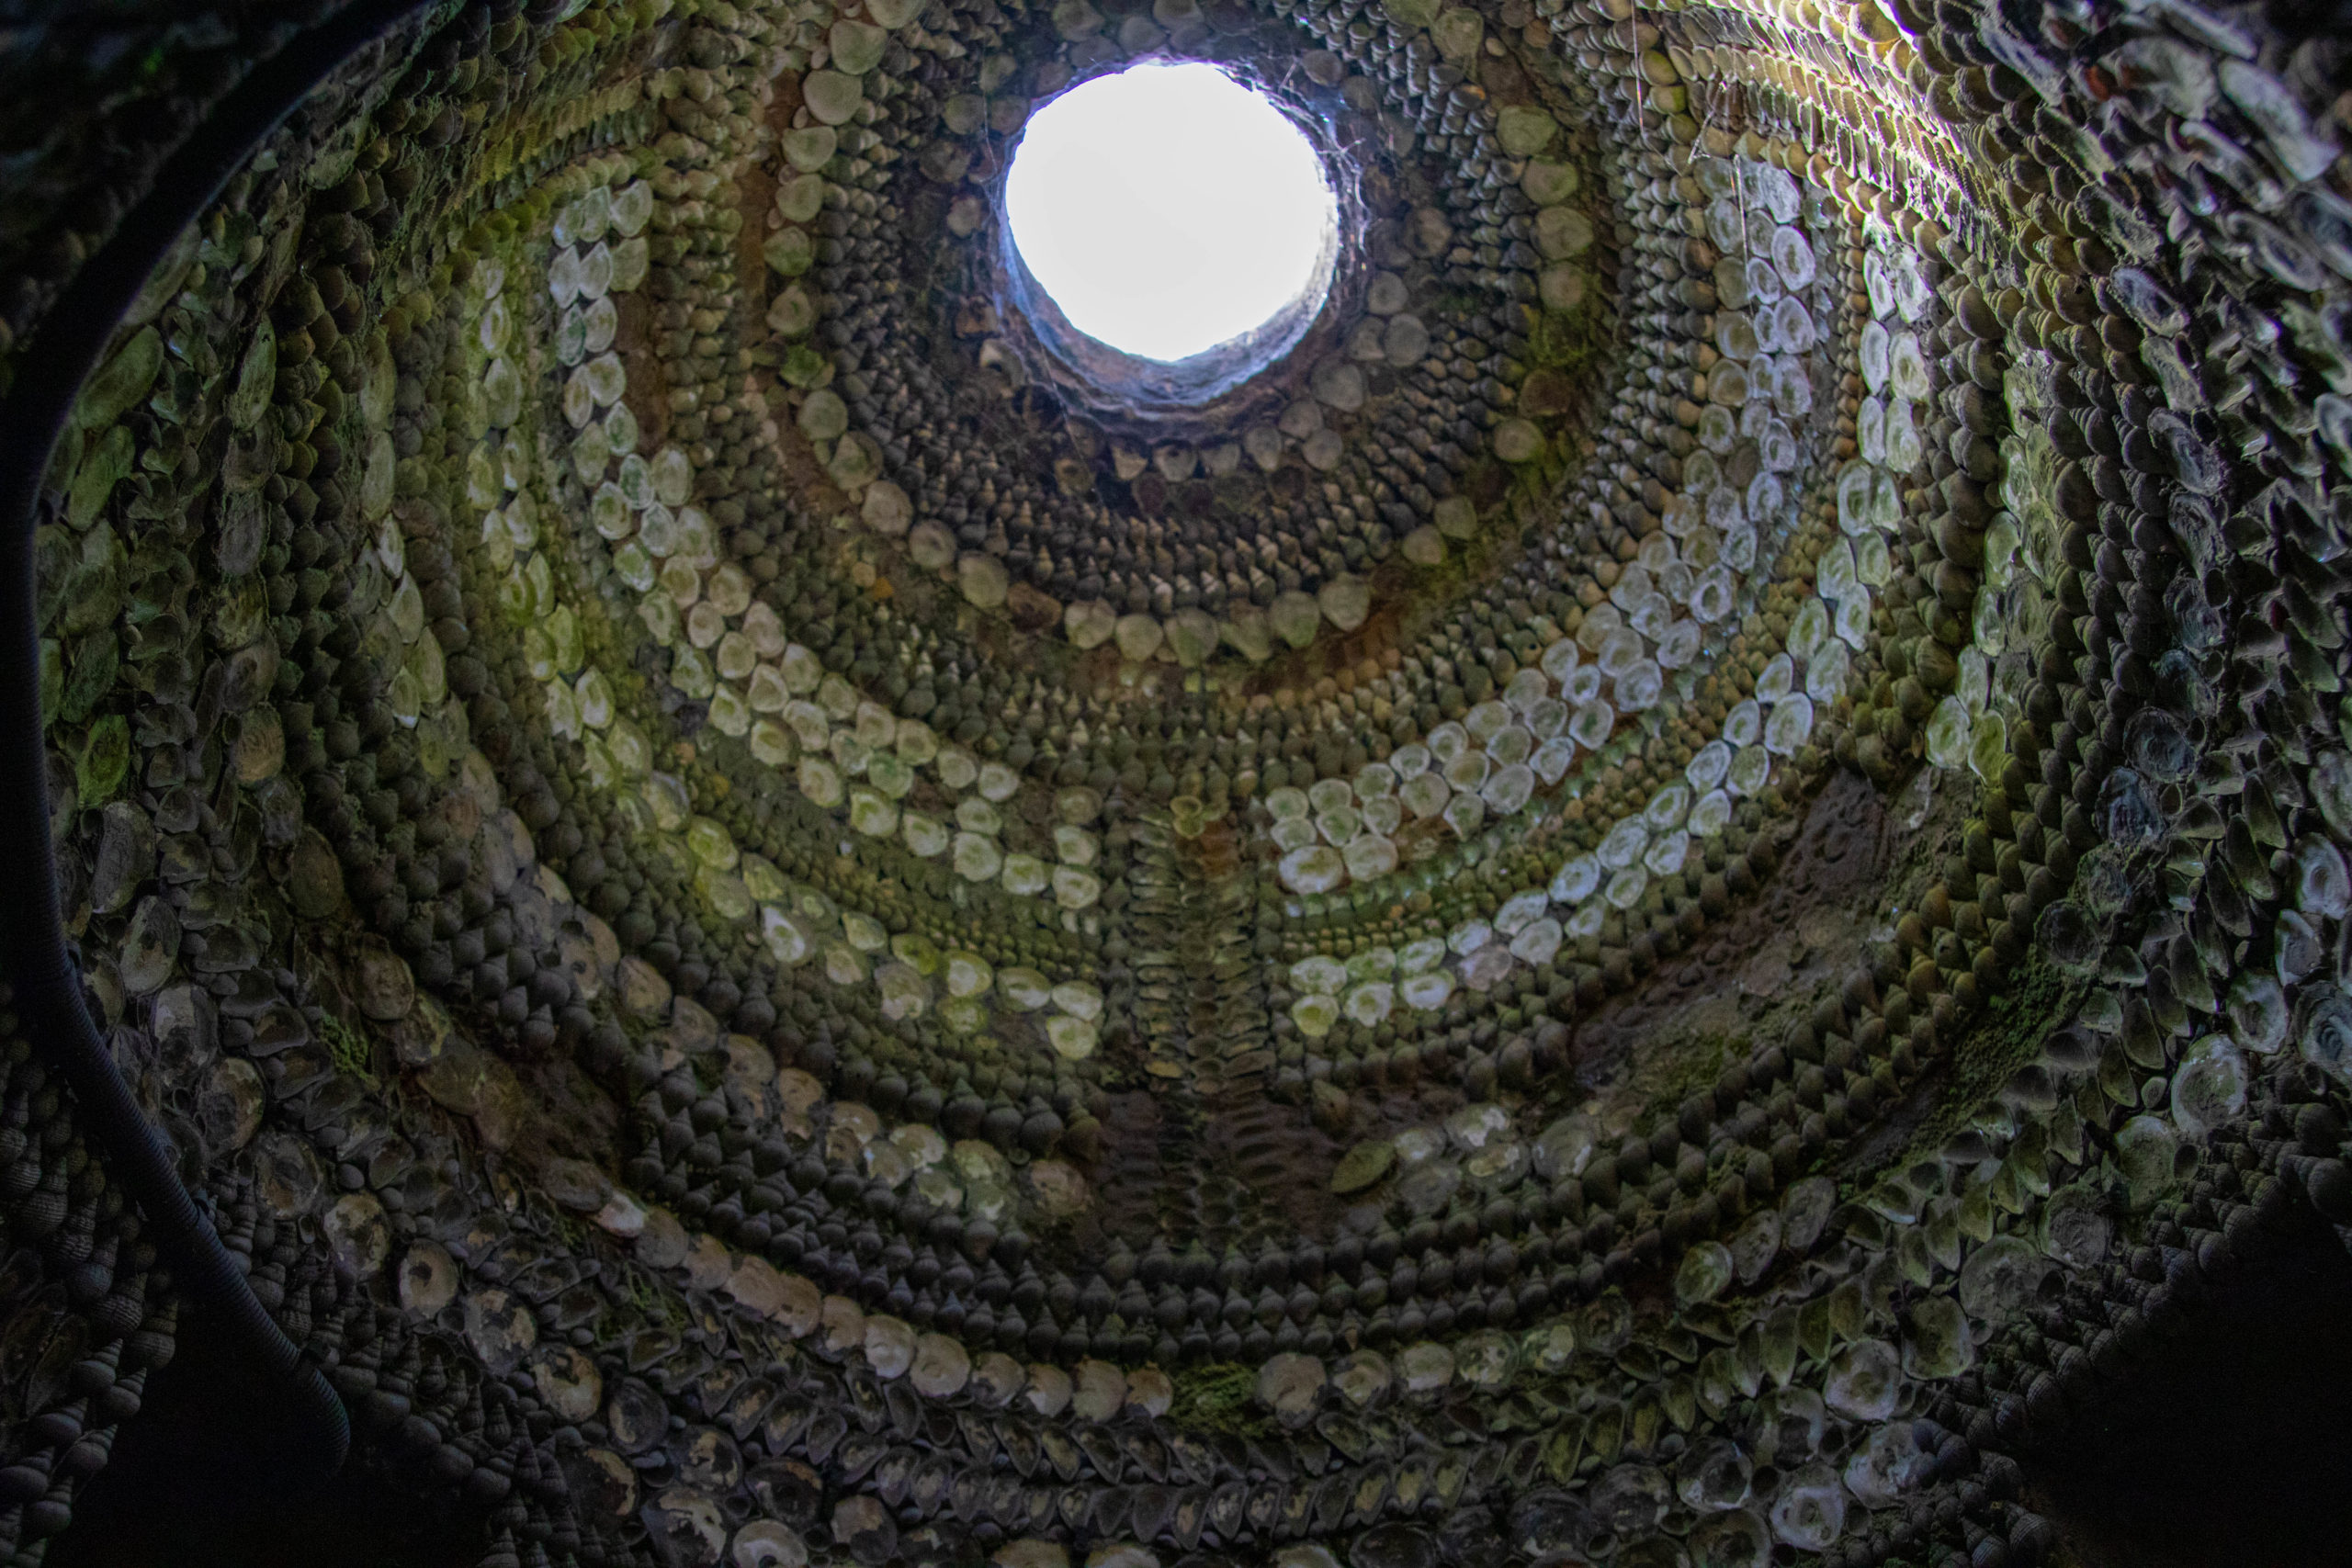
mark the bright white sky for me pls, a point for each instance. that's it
(1168, 209)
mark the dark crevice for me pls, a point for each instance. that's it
(207, 1477)
(2227, 1447)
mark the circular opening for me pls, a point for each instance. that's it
(1167, 211)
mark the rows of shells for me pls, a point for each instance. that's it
(1659, 901)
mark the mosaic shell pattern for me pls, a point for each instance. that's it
(1648, 905)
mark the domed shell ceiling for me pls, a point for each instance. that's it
(1634, 904)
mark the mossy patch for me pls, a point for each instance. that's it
(2006, 1033)
(1665, 1078)
(660, 1307)
(1458, 304)
(1568, 342)
(575, 1235)
(1218, 1398)
(346, 1047)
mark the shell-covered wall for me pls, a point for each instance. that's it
(1649, 904)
